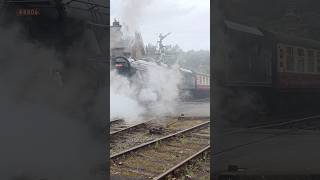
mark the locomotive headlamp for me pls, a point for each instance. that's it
(119, 65)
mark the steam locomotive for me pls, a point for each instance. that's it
(195, 84)
(264, 72)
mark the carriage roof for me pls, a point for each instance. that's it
(297, 41)
(278, 37)
(243, 28)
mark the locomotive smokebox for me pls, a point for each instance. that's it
(122, 65)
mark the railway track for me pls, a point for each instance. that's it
(130, 136)
(305, 123)
(257, 135)
(162, 157)
(289, 127)
(175, 172)
(120, 126)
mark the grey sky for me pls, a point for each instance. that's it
(187, 20)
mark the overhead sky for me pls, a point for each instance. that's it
(187, 20)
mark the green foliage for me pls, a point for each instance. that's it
(198, 61)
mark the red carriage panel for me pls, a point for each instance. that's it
(298, 67)
(202, 82)
(288, 80)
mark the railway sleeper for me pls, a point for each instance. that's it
(136, 172)
(169, 154)
(143, 165)
(153, 159)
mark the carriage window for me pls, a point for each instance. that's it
(318, 62)
(318, 65)
(300, 52)
(300, 65)
(281, 64)
(281, 53)
(310, 53)
(311, 61)
(290, 63)
(310, 65)
(289, 50)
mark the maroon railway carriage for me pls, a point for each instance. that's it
(202, 81)
(298, 64)
(202, 85)
(258, 58)
(263, 70)
(196, 84)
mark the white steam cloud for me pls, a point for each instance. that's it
(122, 102)
(152, 92)
(132, 12)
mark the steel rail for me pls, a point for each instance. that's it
(182, 163)
(252, 142)
(158, 140)
(115, 121)
(190, 117)
(128, 128)
(274, 124)
(274, 135)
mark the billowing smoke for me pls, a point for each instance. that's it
(153, 92)
(150, 93)
(47, 113)
(123, 103)
(160, 89)
(132, 12)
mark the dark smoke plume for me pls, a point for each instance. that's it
(52, 107)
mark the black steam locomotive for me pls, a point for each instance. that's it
(195, 84)
(263, 72)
